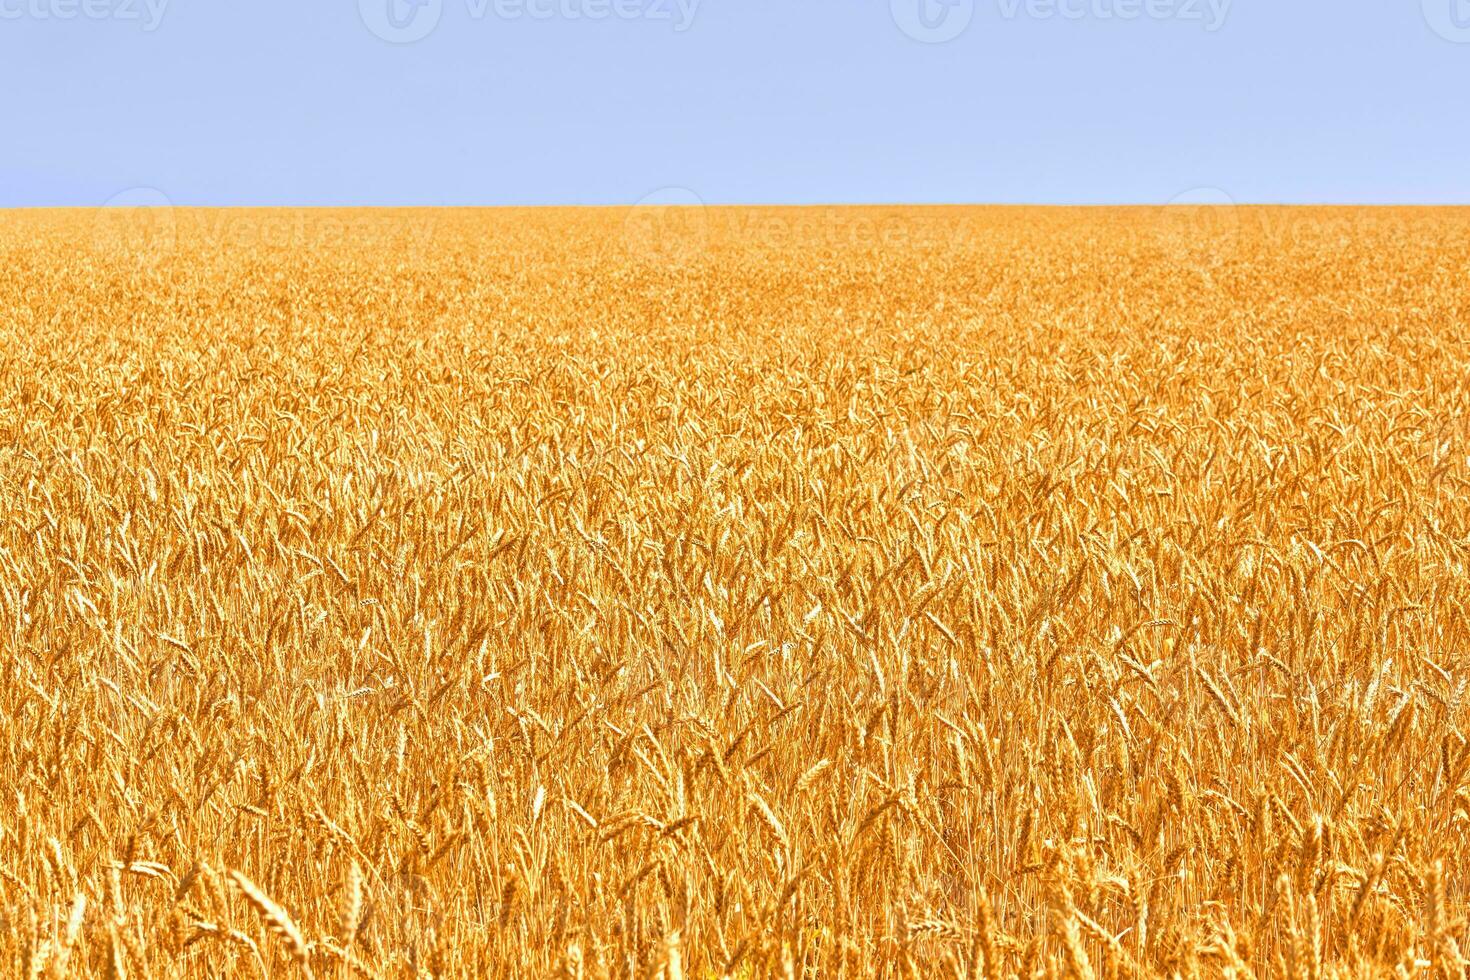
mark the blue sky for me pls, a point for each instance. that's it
(443, 102)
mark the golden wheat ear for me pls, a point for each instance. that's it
(350, 913)
(276, 919)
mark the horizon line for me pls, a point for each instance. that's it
(745, 204)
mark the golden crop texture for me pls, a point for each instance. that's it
(928, 592)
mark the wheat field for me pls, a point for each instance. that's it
(870, 592)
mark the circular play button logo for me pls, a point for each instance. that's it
(401, 21)
(932, 21)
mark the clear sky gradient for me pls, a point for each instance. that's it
(448, 102)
